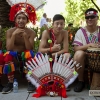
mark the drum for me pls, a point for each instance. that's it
(95, 84)
(93, 59)
(93, 62)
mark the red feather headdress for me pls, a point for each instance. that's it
(28, 7)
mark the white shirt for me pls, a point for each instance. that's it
(81, 39)
(43, 21)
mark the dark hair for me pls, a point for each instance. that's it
(90, 9)
(70, 24)
(44, 14)
(58, 17)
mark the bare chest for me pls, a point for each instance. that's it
(19, 40)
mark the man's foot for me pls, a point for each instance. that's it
(79, 87)
(8, 88)
(1, 87)
(31, 87)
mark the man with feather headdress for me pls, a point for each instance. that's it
(19, 40)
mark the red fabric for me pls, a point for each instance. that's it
(10, 74)
(8, 58)
(40, 92)
(63, 93)
(1, 59)
(56, 88)
(52, 36)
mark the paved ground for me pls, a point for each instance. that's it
(23, 95)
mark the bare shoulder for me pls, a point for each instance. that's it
(30, 30)
(65, 31)
(10, 30)
(45, 33)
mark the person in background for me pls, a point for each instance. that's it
(43, 21)
(86, 37)
(48, 22)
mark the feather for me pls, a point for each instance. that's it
(63, 72)
(37, 4)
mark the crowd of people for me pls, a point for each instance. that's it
(20, 39)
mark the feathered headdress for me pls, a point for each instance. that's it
(28, 7)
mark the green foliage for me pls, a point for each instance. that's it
(74, 10)
(39, 14)
(71, 34)
(2, 37)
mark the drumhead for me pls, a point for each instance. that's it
(93, 49)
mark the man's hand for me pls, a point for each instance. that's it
(94, 45)
(56, 47)
(19, 31)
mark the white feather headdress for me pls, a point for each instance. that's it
(35, 3)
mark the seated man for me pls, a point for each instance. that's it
(18, 40)
(59, 38)
(85, 37)
(56, 39)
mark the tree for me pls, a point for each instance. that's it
(39, 14)
(95, 5)
(4, 14)
(74, 10)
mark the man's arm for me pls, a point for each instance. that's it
(43, 47)
(9, 40)
(43, 43)
(29, 42)
(65, 44)
(85, 47)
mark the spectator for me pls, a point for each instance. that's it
(43, 21)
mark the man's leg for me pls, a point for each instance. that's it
(1, 86)
(8, 69)
(1, 68)
(28, 55)
(79, 56)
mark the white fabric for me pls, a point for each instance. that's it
(80, 39)
(43, 22)
(71, 80)
(35, 3)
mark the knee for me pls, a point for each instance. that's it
(79, 55)
(67, 55)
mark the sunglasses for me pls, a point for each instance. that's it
(90, 17)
